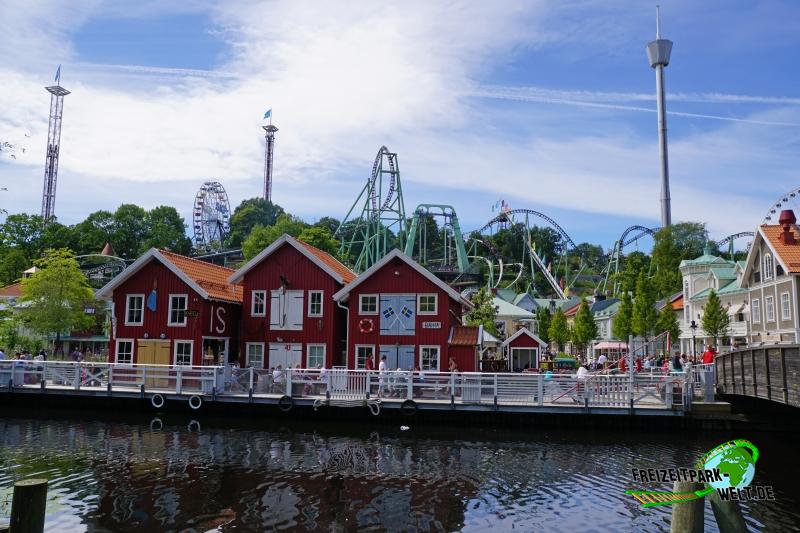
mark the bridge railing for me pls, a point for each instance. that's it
(770, 372)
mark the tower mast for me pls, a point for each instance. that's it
(658, 53)
(57, 94)
(268, 156)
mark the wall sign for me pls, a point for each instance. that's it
(431, 325)
(192, 313)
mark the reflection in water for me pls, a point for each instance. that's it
(189, 475)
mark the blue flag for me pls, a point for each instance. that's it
(151, 300)
(268, 114)
(58, 75)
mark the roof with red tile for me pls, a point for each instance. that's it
(212, 278)
(11, 291)
(677, 304)
(330, 261)
(788, 253)
(464, 336)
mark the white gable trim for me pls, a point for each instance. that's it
(524, 331)
(269, 250)
(108, 290)
(455, 295)
(748, 268)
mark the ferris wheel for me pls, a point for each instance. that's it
(212, 216)
(790, 200)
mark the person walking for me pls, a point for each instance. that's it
(708, 355)
(677, 366)
(381, 376)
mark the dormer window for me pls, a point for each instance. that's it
(778, 270)
(768, 267)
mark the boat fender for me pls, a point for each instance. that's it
(156, 424)
(194, 426)
(409, 408)
(195, 402)
(285, 404)
(157, 401)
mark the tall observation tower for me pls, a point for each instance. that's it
(268, 155)
(658, 52)
(57, 94)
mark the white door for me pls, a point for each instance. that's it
(287, 355)
(286, 310)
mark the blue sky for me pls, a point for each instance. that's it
(547, 105)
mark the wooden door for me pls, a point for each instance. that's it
(152, 352)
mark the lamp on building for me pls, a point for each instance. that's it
(693, 327)
(146, 335)
(163, 335)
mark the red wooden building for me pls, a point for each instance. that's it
(464, 347)
(171, 309)
(399, 309)
(288, 314)
(523, 350)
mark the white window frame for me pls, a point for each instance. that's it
(263, 294)
(324, 354)
(311, 294)
(247, 347)
(361, 298)
(526, 348)
(185, 309)
(769, 305)
(116, 351)
(372, 350)
(755, 310)
(175, 344)
(438, 357)
(435, 304)
(768, 268)
(786, 310)
(128, 308)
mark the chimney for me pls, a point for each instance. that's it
(787, 220)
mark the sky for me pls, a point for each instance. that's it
(547, 105)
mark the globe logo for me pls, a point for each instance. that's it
(736, 462)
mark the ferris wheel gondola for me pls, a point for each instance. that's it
(211, 216)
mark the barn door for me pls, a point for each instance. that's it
(286, 310)
(407, 315)
(405, 357)
(390, 351)
(398, 314)
(287, 355)
(388, 310)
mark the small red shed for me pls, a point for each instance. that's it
(464, 347)
(171, 309)
(522, 350)
(399, 309)
(288, 313)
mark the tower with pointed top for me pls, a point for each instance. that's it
(57, 94)
(658, 53)
(268, 155)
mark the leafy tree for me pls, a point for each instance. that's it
(559, 330)
(329, 223)
(130, 230)
(94, 232)
(716, 321)
(12, 264)
(621, 326)
(543, 317)
(667, 321)
(321, 238)
(643, 321)
(691, 238)
(632, 264)
(165, 228)
(584, 330)
(666, 258)
(484, 312)
(263, 236)
(250, 213)
(56, 295)
(24, 232)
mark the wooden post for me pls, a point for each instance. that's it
(28, 506)
(687, 517)
(728, 514)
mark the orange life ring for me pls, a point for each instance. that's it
(365, 325)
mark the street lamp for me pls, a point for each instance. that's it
(693, 327)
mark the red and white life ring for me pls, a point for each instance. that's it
(366, 325)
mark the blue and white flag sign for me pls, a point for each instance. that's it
(58, 74)
(268, 114)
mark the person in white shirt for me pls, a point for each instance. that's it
(601, 361)
(381, 376)
(277, 377)
(582, 373)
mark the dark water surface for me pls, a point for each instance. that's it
(230, 476)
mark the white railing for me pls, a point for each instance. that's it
(648, 389)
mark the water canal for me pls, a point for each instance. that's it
(212, 475)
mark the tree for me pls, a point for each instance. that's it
(263, 236)
(321, 238)
(633, 263)
(165, 228)
(24, 232)
(484, 312)
(94, 232)
(56, 295)
(543, 317)
(716, 321)
(585, 329)
(691, 238)
(644, 317)
(12, 264)
(666, 258)
(667, 321)
(130, 230)
(329, 223)
(621, 326)
(559, 330)
(250, 213)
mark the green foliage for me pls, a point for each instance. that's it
(666, 258)
(130, 230)
(544, 318)
(559, 330)
(165, 228)
(632, 265)
(12, 339)
(668, 321)
(12, 264)
(716, 321)
(621, 324)
(321, 238)
(644, 317)
(329, 223)
(250, 213)
(584, 330)
(55, 296)
(484, 312)
(94, 232)
(263, 236)
(691, 238)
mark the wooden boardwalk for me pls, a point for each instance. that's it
(766, 372)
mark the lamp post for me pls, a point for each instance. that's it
(693, 327)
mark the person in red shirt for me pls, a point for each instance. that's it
(370, 364)
(639, 364)
(708, 356)
(623, 365)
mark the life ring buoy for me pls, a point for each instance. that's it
(366, 325)
(409, 408)
(195, 402)
(156, 424)
(193, 426)
(157, 401)
(285, 404)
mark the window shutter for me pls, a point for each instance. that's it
(275, 311)
(388, 314)
(294, 310)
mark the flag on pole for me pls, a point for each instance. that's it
(268, 114)
(58, 75)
